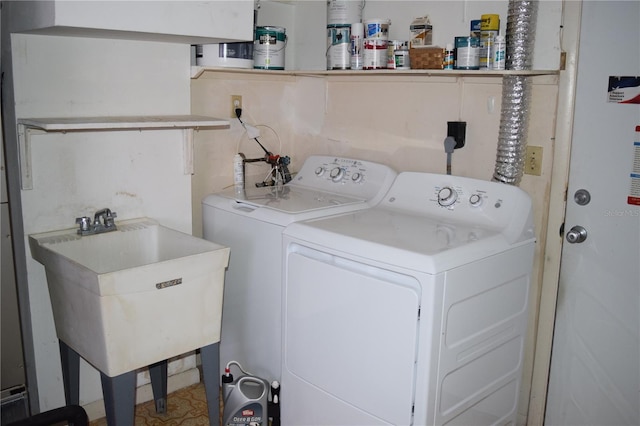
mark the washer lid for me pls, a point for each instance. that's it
(290, 199)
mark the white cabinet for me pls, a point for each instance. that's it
(193, 22)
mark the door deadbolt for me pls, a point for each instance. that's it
(577, 234)
(582, 197)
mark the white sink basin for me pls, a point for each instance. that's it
(132, 297)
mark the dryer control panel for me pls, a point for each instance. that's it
(450, 196)
(472, 202)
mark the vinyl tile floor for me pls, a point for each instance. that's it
(185, 407)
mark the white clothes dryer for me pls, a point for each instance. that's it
(413, 312)
(251, 224)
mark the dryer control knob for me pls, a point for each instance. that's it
(337, 174)
(475, 200)
(356, 177)
(447, 196)
(320, 171)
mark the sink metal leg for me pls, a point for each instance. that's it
(119, 398)
(158, 373)
(210, 357)
(70, 361)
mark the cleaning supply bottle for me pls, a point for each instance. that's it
(238, 173)
(245, 400)
(448, 57)
(499, 53)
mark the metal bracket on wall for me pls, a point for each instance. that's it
(24, 154)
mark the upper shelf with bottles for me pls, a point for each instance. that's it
(306, 24)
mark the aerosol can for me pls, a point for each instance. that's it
(245, 400)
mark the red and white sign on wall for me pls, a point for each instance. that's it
(624, 90)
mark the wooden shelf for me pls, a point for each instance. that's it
(68, 124)
(186, 123)
(197, 71)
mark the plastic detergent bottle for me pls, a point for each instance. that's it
(245, 401)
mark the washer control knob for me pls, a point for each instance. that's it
(475, 200)
(447, 196)
(320, 171)
(336, 174)
(356, 177)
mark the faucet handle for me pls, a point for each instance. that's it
(108, 219)
(84, 222)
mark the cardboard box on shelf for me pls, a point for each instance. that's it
(421, 32)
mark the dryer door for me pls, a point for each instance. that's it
(350, 332)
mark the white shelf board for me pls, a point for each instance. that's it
(186, 123)
(65, 124)
(197, 71)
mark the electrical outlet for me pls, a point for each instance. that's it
(458, 130)
(533, 161)
(236, 102)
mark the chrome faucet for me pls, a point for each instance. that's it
(103, 221)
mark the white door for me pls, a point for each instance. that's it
(595, 364)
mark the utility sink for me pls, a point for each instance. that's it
(129, 298)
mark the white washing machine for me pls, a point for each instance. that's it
(413, 312)
(251, 224)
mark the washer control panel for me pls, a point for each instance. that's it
(342, 171)
(345, 176)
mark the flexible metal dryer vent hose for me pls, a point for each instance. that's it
(516, 92)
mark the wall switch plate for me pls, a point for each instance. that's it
(236, 102)
(533, 161)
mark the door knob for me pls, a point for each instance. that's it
(577, 234)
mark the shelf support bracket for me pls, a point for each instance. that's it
(187, 150)
(24, 154)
